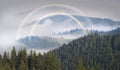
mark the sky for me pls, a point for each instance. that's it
(12, 13)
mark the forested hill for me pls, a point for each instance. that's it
(97, 53)
(112, 32)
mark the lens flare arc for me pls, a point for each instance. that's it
(52, 14)
(46, 6)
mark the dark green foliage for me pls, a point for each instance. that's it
(80, 65)
(22, 65)
(1, 65)
(97, 52)
(32, 61)
(5, 58)
(13, 59)
(92, 52)
(50, 62)
(39, 62)
(22, 61)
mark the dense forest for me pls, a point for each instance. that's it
(33, 61)
(91, 52)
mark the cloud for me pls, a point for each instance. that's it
(9, 23)
(49, 26)
(101, 8)
(10, 18)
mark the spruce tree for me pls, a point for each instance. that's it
(22, 65)
(5, 58)
(51, 63)
(39, 62)
(80, 65)
(25, 57)
(7, 67)
(1, 65)
(13, 59)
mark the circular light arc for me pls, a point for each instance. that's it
(45, 6)
(52, 14)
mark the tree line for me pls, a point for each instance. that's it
(92, 52)
(33, 61)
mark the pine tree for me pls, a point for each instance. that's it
(13, 58)
(51, 63)
(24, 57)
(7, 67)
(31, 60)
(22, 60)
(39, 62)
(1, 66)
(19, 58)
(80, 65)
(22, 65)
(5, 58)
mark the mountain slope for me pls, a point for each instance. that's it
(100, 24)
(112, 32)
(45, 43)
(98, 52)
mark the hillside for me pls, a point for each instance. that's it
(100, 24)
(112, 32)
(97, 52)
(36, 42)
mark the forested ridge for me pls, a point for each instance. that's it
(91, 52)
(31, 61)
(96, 52)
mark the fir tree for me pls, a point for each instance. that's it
(13, 59)
(80, 65)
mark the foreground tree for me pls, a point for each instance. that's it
(1, 65)
(51, 63)
(13, 59)
(22, 65)
(7, 67)
(39, 62)
(80, 65)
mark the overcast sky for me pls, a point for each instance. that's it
(10, 10)
(97, 8)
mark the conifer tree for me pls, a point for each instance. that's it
(13, 59)
(24, 57)
(5, 58)
(7, 67)
(1, 66)
(80, 65)
(22, 65)
(51, 63)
